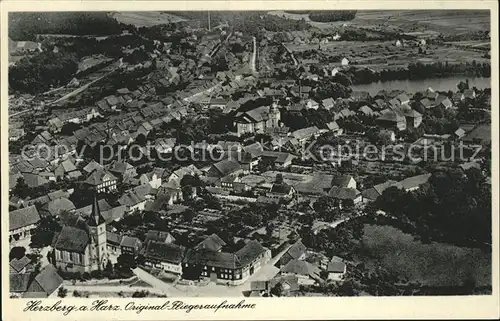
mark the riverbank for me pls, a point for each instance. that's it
(413, 86)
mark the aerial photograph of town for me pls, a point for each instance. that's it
(164, 154)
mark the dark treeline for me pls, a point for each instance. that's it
(420, 71)
(26, 25)
(330, 16)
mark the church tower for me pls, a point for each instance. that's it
(274, 115)
(97, 234)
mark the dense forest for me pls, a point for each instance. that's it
(26, 25)
(330, 16)
(454, 207)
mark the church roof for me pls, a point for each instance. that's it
(95, 217)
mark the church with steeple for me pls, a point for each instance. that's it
(81, 247)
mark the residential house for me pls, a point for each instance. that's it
(165, 145)
(177, 175)
(336, 269)
(21, 265)
(403, 99)
(22, 222)
(130, 245)
(257, 120)
(280, 159)
(165, 256)
(101, 181)
(304, 134)
(212, 243)
(459, 133)
(224, 168)
(328, 103)
(66, 169)
(159, 236)
(371, 194)
(113, 243)
(281, 191)
(312, 104)
(469, 94)
(153, 178)
(458, 97)
(136, 198)
(31, 285)
(426, 103)
(413, 117)
(413, 183)
(55, 207)
(344, 62)
(345, 196)
(301, 91)
(392, 118)
(344, 181)
(334, 128)
(223, 267)
(92, 166)
(307, 273)
(296, 252)
(83, 247)
(122, 170)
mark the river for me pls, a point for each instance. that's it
(413, 86)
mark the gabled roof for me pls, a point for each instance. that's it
(17, 265)
(343, 193)
(304, 133)
(212, 243)
(227, 166)
(93, 165)
(45, 283)
(249, 252)
(341, 180)
(55, 207)
(23, 217)
(281, 188)
(71, 239)
(159, 236)
(129, 241)
(19, 282)
(301, 268)
(164, 252)
(296, 250)
(97, 177)
(336, 265)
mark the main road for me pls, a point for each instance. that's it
(254, 55)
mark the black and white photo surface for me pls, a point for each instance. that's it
(246, 154)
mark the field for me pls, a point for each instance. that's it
(145, 18)
(435, 264)
(385, 55)
(446, 21)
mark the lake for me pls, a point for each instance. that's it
(413, 86)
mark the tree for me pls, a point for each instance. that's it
(279, 179)
(277, 290)
(44, 232)
(62, 292)
(140, 294)
(22, 190)
(17, 252)
(108, 270)
(125, 262)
